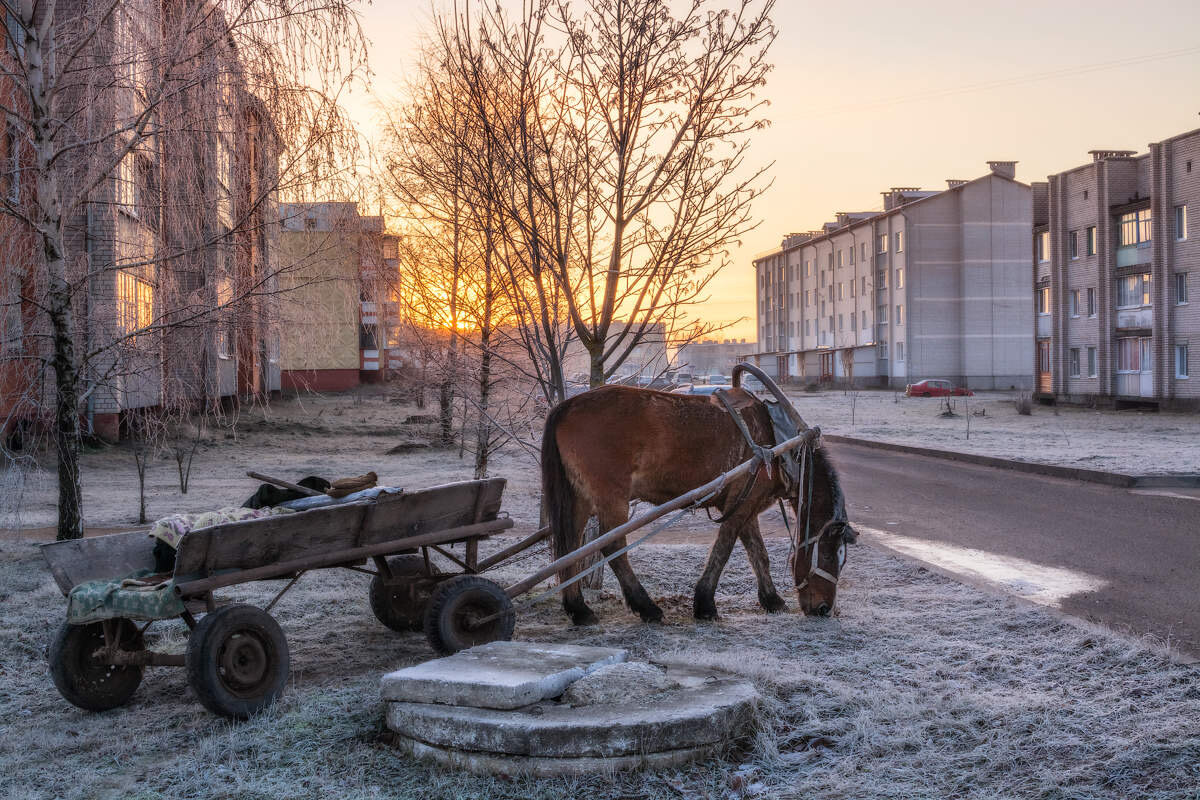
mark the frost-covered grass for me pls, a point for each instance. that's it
(920, 687)
(1133, 442)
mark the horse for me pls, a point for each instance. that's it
(606, 447)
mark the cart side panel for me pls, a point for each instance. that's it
(98, 558)
(270, 540)
(430, 510)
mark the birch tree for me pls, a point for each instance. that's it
(173, 127)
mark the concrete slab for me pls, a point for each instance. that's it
(709, 710)
(498, 675)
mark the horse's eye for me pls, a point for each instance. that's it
(841, 555)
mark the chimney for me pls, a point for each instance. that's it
(1100, 155)
(954, 183)
(1005, 169)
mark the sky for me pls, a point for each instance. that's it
(870, 95)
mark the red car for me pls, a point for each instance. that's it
(933, 387)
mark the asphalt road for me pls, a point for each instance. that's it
(1146, 546)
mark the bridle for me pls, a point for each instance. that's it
(810, 546)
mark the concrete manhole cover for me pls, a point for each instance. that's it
(584, 709)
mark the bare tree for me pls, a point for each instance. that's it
(169, 128)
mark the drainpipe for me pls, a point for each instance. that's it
(91, 394)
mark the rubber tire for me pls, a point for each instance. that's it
(393, 608)
(207, 665)
(454, 601)
(84, 682)
(927, 394)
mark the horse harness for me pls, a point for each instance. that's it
(796, 468)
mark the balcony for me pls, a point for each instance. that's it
(1139, 317)
(1132, 254)
(1044, 322)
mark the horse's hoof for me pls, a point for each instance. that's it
(706, 614)
(580, 620)
(653, 615)
(773, 604)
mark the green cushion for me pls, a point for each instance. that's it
(106, 599)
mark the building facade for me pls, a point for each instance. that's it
(711, 357)
(340, 308)
(933, 286)
(1114, 269)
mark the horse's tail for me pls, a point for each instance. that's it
(558, 495)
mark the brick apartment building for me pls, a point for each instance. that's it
(935, 285)
(156, 241)
(340, 318)
(1115, 266)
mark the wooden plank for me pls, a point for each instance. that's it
(98, 558)
(254, 543)
(193, 588)
(431, 510)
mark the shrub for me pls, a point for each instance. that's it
(1024, 403)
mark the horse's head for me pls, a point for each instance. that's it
(821, 535)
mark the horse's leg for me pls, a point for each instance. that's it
(703, 606)
(635, 594)
(756, 552)
(572, 596)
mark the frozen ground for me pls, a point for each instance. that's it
(1132, 442)
(332, 436)
(918, 687)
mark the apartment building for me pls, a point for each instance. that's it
(1114, 269)
(711, 357)
(933, 286)
(340, 308)
(179, 228)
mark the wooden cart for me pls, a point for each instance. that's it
(237, 659)
(237, 656)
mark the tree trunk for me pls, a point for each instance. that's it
(66, 415)
(483, 430)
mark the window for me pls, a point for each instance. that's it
(851, 254)
(1091, 240)
(899, 241)
(135, 305)
(1043, 300)
(1134, 228)
(12, 150)
(853, 317)
(310, 224)
(1073, 299)
(881, 316)
(15, 40)
(1043, 247)
(841, 322)
(1133, 354)
(1181, 293)
(1073, 362)
(1043, 356)
(1091, 356)
(808, 268)
(899, 351)
(823, 280)
(899, 315)
(863, 250)
(830, 322)
(881, 279)
(1180, 223)
(1181, 361)
(851, 283)
(882, 350)
(806, 327)
(1073, 244)
(882, 247)
(831, 291)
(841, 290)
(841, 258)
(899, 279)
(14, 325)
(830, 259)
(1133, 291)
(1091, 302)
(863, 286)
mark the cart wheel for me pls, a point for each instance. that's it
(401, 606)
(85, 681)
(456, 605)
(237, 660)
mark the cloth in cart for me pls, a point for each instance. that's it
(305, 503)
(173, 528)
(130, 597)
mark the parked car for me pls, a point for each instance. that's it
(718, 380)
(693, 388)
(935, 387)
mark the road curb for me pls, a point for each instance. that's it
(1070, 473)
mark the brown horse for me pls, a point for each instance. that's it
(603, 448)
